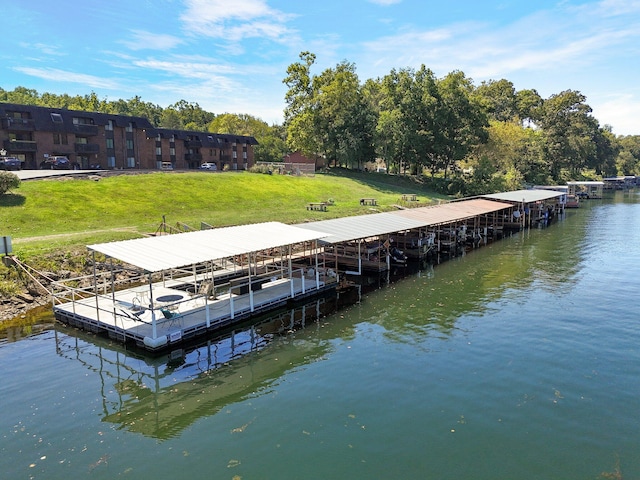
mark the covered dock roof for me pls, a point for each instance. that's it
(155, 254)
(364, 226)
(526, 196)
(453, 211)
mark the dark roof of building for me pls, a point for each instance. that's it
(208, 139)
(62, 121)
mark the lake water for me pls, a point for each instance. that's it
(519, 360)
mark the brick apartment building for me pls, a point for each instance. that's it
(106, 141)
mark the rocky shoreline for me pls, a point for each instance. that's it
(20, 305)
(33, 287)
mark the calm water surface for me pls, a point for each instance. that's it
(519, 360)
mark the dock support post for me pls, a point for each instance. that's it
(292, 292)
(231, 305)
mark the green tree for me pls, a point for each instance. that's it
(343, 118)
(299, 113)
(569, 134)
(461, 122)
(170, 118)
(498, 99)
(192, 116)
(406, 129)
(628, 157)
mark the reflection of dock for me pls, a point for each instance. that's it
(159, 396)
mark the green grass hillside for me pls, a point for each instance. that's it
(45, 215)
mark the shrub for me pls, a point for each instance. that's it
(8, 181)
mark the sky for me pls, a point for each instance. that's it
(231, 56)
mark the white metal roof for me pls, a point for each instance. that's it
(590, 182)
(164, 252)
(363, 226)
(525, 196)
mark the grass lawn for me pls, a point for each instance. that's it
(44, 215)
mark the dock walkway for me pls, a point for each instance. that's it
(125, 319)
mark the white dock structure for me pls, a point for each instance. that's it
(190, 283)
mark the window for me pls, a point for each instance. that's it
(129, 144)
(158, 138)
(109, 142)
(60, 139)
(158, 150)
(129, 127)
(111, 162)
(235, 154)
(172, 151)
(81, 140)
(82, 121)
(131, 162)
(109, 126)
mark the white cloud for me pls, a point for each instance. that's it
(243, 19)
(44, 48)
(142, 40)
(620, 111)
(548, 41)
(385, 3)
(62, 76)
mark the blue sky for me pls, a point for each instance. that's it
(231, 55)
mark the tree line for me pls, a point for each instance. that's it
(462, 138)
(465, 139)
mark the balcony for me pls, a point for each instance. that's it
(192, 144)
(193, 157)
(13, 146)
(86, 130)
(86, 148)
(18, 124)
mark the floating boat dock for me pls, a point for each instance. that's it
(164, 290)
(190, 283)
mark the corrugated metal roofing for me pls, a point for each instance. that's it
(155, 254)
(363, 226)
(453, 211)
(525, 196)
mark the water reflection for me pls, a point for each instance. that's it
(431, 302)
(160, 396)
